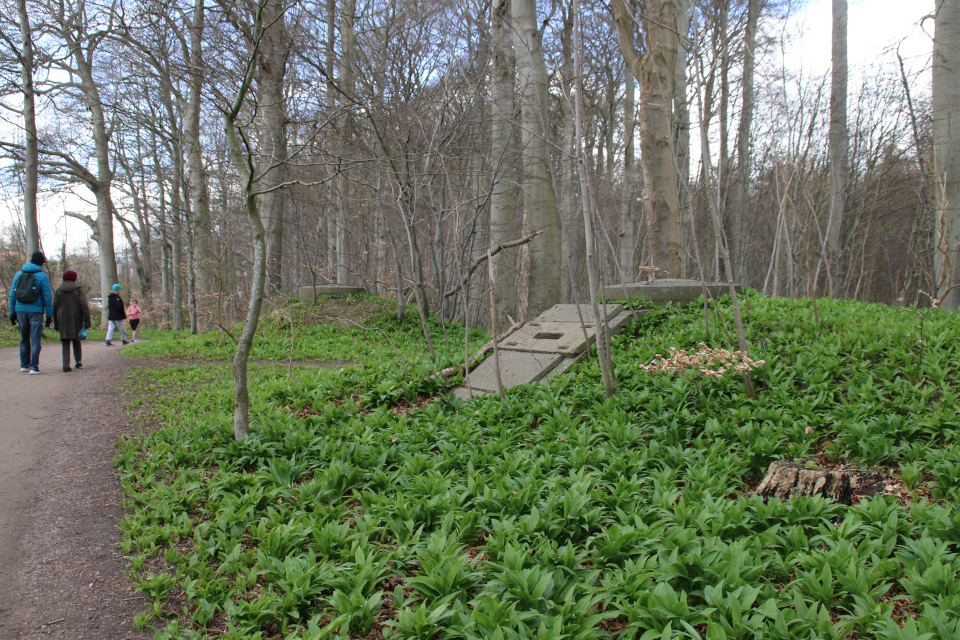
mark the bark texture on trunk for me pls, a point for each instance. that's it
(681, 127)
(272, 67)
(539, 203)
(503, 200)
(946, 160)
(628, 261)
(786, 479)
(348, 80)
(655, 71)
(196, 178)
(741, 211)
(30, 153)
(839, 140)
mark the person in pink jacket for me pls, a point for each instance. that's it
(133, 315)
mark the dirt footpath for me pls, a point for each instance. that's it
(61, 572)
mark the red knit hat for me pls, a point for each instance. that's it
(70, 275)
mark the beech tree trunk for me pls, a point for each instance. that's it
(348, 80)
(274, 52)
(628, 262)
(30, 153)
(539, 203)
(655, 70)
(742, 209)
(503, 213)
(946, 160)
(681, 126)
(196, 178)
(839, 142)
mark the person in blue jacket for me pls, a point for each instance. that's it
(30, 314)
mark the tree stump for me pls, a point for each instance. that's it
(804, 477)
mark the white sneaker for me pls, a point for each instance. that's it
(24, 369)
(34, 372)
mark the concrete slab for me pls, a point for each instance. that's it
(465, 394)
(516, 367)
(568, 313)
(667, 290)
(550, 337)
(306, 293)
(624, 319)
(565, 365)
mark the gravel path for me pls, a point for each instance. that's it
(61, 571)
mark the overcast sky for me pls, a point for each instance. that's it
(875, 29)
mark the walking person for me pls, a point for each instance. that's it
(133, 315)
(115, 315)
(71, 313)
(30, 299)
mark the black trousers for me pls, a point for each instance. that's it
(77, 351)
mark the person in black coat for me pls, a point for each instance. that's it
(70, 314)
(116, 314)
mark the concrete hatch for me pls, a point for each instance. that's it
(550, 337)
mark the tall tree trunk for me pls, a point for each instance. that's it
(274, 52)
(571, 230)
(742, 209)
(655, 71)
(333, 210)
(196, 179)
(165, 265)
(241, 394)
(348, 45)
(838, 131)
(946, 160)
(176, 264)
(681, 126)
(30, 154)
(101, 187)
(628, 262)
(723, 165)
(540, 207)
(503, 200)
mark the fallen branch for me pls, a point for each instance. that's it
(489, 254)
(227, 331)
(485, 349)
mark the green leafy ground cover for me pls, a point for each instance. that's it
(354, 509)
(354, 328)
(10, 336)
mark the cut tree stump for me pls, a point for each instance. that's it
(787, 479)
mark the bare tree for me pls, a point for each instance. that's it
(81, 30)
(26, 59)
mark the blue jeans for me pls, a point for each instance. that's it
(31, 333)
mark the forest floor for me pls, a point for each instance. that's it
(61, 572)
